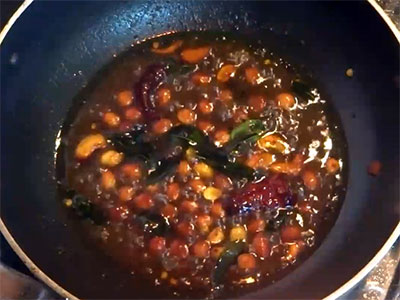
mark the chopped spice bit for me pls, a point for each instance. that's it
(374, 168)
(67, 202)
(246, 261)
(164, 275)
(125, 98)
(108, 180)
(204, 170)
(238, 233)
(349, 72)
(164, 96)
(111, 119)
(332, 165)
(267, 62)
(216, 236)
(212, 193)
(226, 72)
(111, 158)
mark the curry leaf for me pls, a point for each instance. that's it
(301, 89)
(246, 129)
(228, 168)
(153, 223)
(134, 144)
(227, 258)
(176, 68)
(281, 217)
(218, 157)
(85, 209)
(165, 167)
(131, 143)
(247, 132)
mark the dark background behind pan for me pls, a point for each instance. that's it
(54, 49)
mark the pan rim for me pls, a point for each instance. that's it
(333, 295)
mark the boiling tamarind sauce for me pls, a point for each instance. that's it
(204, 164)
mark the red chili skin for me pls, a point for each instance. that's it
(269, 193)
(144, 90)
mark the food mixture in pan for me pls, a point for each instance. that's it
(204, 164)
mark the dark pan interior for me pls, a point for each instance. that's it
(55, 48)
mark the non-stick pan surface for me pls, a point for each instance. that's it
(54, 48)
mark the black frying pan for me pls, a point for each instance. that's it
(54, 48)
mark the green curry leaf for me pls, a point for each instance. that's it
(301, 89)
(246, 129)
(249, 131)
(227, 258)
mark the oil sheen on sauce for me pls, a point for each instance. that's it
(211, 167)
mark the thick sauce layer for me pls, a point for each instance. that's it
(204, 164)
